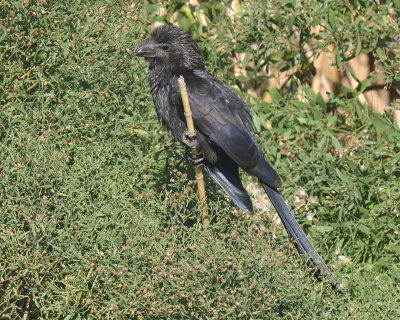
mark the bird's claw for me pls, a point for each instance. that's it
(190, 139)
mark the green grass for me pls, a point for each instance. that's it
(98, 211)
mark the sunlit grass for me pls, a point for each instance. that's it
(98, 214)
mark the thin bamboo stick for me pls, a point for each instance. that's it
(199, 175)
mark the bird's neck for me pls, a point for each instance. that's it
(159, 77)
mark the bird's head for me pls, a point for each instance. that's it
(170, 48)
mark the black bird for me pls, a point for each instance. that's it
(224, 126)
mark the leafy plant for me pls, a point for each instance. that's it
(98, 218)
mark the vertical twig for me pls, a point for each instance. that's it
(199, 175)
(27, 307)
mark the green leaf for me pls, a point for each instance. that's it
(342, 176)
(330, 121)
(364, 84)
(323, 228)
(380, 123)
(332, 15)
(302, 105)
(321, 101)
(321, 143)
(275, 95)
(336, 144)
(310, 95)
(257, 122)
(364, 229)
(140, 131)
(245, 60)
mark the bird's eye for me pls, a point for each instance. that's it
(165, 47)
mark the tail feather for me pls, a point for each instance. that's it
(227, 177)
(304, 245)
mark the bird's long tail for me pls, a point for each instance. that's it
(304, 246)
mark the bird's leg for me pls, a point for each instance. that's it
(190, 141)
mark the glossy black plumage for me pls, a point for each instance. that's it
(223, 121)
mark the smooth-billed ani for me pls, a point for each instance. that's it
(223, 122)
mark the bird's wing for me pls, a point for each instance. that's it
(220, 114)
(214, 115)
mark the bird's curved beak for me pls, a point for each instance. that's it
(146, 49)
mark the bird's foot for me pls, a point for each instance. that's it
(196, 159)
(190, 139)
